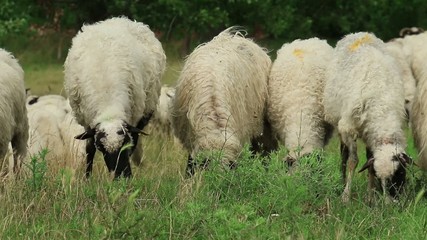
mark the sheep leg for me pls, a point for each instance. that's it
(191, 165)
(344, 158)
(351, 165)
(90, 154)
(137, 154)
(371, 176)
(19, 146)
(137, 151)
(123, 167)
(3, 152)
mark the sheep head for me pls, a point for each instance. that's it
(116, 140)
(392, 174)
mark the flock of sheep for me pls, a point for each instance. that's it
(229, 93)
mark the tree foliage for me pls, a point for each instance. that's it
(284, 19)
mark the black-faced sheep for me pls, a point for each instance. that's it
(13, 116)
(295, 91)
(364, 98)
(220, 97)
(112, 79)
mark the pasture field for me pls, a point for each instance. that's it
(258, 200)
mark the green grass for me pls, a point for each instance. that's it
(255, 201)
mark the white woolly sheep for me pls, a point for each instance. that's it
(13, 116)
(112, 79)
(295, 91)
(415, 52)
(52, 126)
(364, 98)
(220, 97)
(396, 48)
(417, 55)
(45, 113)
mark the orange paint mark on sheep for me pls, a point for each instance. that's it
(365, 39)
(299, 53)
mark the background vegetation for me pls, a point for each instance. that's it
(260, 199)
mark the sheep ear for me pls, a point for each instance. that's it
(144, 120)
(87, 134)
(33, 100)
(135, 130)
(406, 160)
(368, 164)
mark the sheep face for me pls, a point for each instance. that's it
(111, 138)
(391, 174)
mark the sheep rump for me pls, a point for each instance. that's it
(220, 96)
(295, 105)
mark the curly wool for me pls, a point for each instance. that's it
(296, 84)
(221, 95)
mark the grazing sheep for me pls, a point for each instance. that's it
(112, 79)
(364, 98)
(295, 92)
(13, 116)
(220, 97)
(45, 113)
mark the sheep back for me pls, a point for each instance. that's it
(221, 95)
(45, 114)
(295, 89)
(113, 71)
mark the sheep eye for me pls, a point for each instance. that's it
(120, 132)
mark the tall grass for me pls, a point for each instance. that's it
(258, 200)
